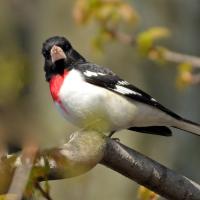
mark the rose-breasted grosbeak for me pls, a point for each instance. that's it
(93, 97)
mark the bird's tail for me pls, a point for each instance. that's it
(188, 126)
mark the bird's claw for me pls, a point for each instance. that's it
(116, 139)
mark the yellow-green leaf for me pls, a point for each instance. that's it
(184, 76)
(145, 40)
(146, 194)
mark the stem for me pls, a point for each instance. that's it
(168, 55)
(43, 192)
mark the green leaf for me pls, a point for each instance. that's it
(184, 76)
(145, 40)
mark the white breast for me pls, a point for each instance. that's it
(90, 106)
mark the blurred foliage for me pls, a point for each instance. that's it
(33, 187)
(8, 197)
(105, 12)
(184, 75)
(157, 54)
(146, 194)
(146, 40)
(107, 15)
(14, 69)
(111, 16)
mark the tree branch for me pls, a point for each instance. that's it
(167, 55)
(149, 173)
(86, 149)
(181, 58)
(80, 154)
(195, 79)
(42, 191)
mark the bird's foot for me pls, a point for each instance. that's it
(111, 134)
(116, 139)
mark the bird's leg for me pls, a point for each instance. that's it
(111, 134)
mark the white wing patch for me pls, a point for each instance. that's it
(152, 99)
(90, 73)
(124, 90)
(123, 83)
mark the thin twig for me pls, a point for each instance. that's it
(23, 164)
(167, 55)
(122, 37)
(195, 79)
(42, 191)
(181, 58)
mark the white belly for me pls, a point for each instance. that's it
(89, 106)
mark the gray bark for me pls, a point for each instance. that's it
(87, 149)
(149, 173)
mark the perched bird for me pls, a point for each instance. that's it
(93, 97)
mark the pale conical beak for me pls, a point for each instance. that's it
(57, 53)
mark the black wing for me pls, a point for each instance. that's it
(104, 77)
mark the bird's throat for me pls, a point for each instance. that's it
(56, 83)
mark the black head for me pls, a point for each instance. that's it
(72, 56)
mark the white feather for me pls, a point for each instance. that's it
(90, 106)
(123, 83)
(124, 90)
(152, 99)
(90, 74)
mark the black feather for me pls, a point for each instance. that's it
(156, 130)
(110, 81)
(72, 55)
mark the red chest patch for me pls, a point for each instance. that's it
(55, 85)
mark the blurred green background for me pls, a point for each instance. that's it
(27, 108)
